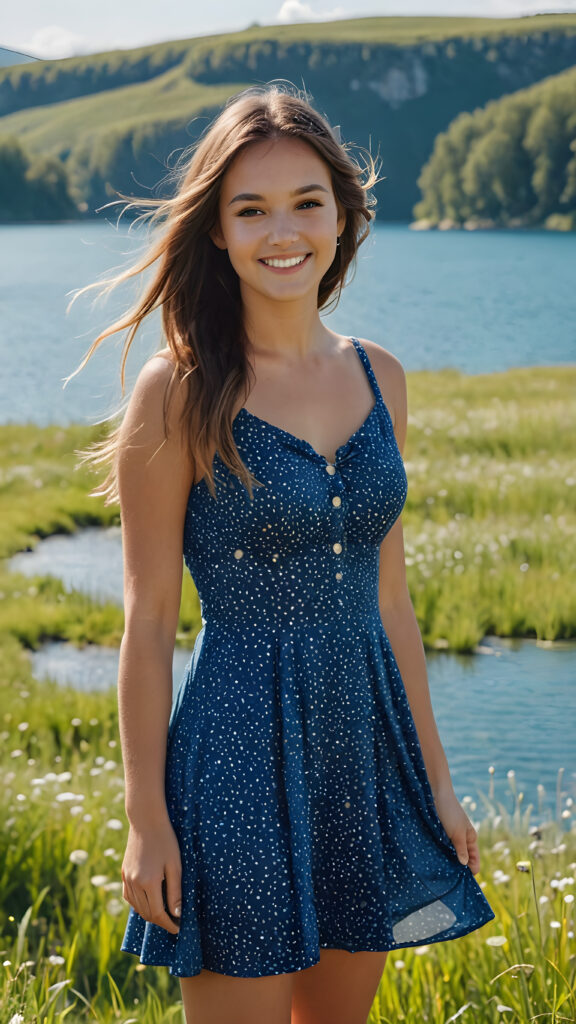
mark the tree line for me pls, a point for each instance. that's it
(512, 163)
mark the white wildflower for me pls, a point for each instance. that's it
(78, 856)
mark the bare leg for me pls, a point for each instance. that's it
(211, 998)
(338, 990)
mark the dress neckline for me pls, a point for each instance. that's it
(343, 448)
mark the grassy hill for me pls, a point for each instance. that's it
(391, 83)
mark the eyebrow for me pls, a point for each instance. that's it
(297, 192)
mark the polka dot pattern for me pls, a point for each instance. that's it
(295, 781)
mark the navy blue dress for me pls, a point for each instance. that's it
(295, 781)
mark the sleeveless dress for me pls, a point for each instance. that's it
(294, 779)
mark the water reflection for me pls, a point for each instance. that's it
(89, 561)
(91, 667)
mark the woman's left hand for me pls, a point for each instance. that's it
(458, 827)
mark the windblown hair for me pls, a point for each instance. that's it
(196, 285)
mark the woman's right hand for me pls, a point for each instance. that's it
(152, 854)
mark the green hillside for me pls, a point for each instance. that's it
(393, 84)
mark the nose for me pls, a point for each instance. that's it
(282, 231)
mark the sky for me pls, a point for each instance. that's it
(66, 28)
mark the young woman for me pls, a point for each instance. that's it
(291, 816)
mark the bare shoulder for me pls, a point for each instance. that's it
(165, 354)
(156, 389)
(152, 426)
(391, 378)
(386, 365)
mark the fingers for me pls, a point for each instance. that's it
(465, 843)
(136, 900)
(173, 892)
(156, 910)
(473, 858)
(147, 900)
(467, 849)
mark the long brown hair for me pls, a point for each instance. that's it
(198, 289)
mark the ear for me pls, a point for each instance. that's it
(341, 222)
(217, 237)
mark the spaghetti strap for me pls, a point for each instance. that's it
(372, 378)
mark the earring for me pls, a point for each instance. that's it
(337, 239)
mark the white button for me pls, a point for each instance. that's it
(338, 575)
(238, 553)
(337, 548)
(330, 469)
(337, 501)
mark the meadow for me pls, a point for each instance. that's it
(490, 547)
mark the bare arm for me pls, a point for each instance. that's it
(399, 621)
(396, 609)
(154, 480)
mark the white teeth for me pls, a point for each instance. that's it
(285, 263)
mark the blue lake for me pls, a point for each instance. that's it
(477, 301)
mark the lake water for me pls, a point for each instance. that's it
(478, 301)
(507, 705)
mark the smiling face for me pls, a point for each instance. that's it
(277, 204)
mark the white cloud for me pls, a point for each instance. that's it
(53, 42)
(295, 10)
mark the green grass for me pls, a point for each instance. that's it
(490, 520)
